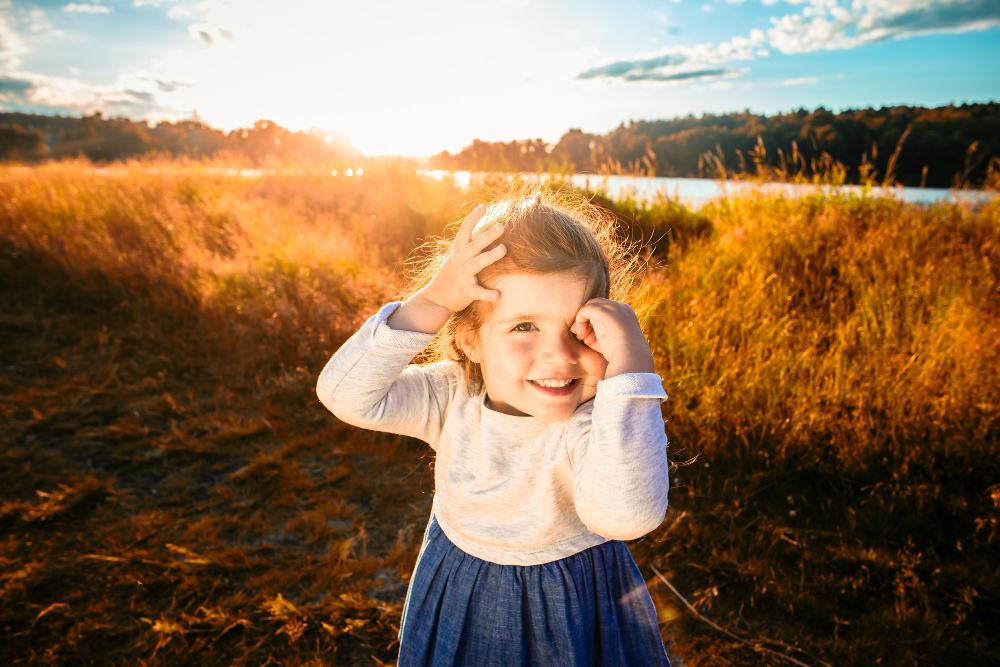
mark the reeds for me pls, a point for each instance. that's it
(174, 492)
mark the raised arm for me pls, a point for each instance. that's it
(619, 449)
(368, 381)
(619, 457)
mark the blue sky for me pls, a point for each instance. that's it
(419, 77)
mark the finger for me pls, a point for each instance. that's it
(482, 260)
(490, 235)
(465, 231)
(484, 294)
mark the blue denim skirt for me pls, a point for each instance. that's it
(591, 608)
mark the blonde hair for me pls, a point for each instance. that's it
(545, 232)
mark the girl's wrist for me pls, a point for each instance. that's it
(429, 302)
(630, 359)
(420, 314)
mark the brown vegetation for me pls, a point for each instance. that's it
(174, 492)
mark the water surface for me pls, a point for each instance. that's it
(695, 192)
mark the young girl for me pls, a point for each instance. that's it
(543, 409)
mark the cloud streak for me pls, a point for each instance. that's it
(129, 95)
(800, 81)
(825, 26)
(705, 74)
(623, 68)
(86, 9)
(12, 47)
(821, 25)
(681, 63)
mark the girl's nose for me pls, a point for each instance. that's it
(562, 348)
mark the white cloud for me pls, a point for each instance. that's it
(821, 25)
(37, 21)
(86, 9)
(680, 63)
(800, 81)
(12, 46)
(128, 95)
(873, 21)
(178, 12)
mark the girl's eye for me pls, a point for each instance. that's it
(523, 324)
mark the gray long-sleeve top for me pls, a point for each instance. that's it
(513, 490)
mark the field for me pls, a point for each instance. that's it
(174, 493)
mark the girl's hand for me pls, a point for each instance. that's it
(455, 286)
(612, 329)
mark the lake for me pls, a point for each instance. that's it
(695, 192)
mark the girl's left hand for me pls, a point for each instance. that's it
(612, 329)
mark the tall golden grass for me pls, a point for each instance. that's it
(174, 492)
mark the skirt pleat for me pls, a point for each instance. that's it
(591, 608)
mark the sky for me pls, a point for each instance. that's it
(417, 77)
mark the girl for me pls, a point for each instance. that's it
(543, 409)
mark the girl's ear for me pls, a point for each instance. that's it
(467, 342)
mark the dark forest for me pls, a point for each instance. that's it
(935, 147)
(939, 147)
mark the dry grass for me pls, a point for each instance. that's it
(175, 493)
(833, 361)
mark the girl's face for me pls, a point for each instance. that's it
(527, 339)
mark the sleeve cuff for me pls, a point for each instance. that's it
(630, 385)
(383, 336)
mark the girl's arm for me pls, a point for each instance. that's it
(369, 383)
(617, 445)
(618, 450)
(419, 313)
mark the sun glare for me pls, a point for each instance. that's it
(421, 83)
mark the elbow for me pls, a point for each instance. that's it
(626, 526)
(334, 402)
(349, 408)
(622, 531)
(326, 396)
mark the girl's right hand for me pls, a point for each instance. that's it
(455, 286)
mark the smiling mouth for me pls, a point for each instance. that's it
(556, 390)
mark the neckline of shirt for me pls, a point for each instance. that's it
(521, 420)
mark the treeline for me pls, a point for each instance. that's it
(938, 147)
(32, 137)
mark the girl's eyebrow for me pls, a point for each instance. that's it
(520, 318)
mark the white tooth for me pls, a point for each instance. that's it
(553, 383)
